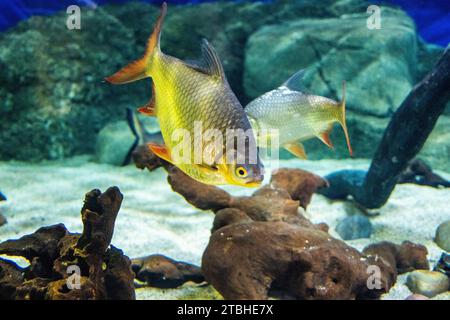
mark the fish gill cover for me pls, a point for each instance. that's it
(432, 17)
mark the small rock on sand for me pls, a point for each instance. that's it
(442, 237)
(354, 227)
(427, 283)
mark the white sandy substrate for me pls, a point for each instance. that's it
(154, 219)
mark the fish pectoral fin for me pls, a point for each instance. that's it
(325, 138)
(149, 108)
(161, 151)
(297, 149)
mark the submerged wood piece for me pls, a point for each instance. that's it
(418, 172)
(163, 272)
(403, 138)
(101, 271)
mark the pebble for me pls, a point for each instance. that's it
(427, 283)
(2, 220)
(442, 237)
(416, 296)
(354, 227)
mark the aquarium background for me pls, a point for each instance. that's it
(54, 102)
(63, 129)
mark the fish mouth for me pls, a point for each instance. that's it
(255, 182)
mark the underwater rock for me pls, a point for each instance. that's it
(11, 277)
(65, 265)
(354, 227)
(2, 197)
(418, 172)
(427, 283)
(442, 237)
(113, 143)
(3, 220)
(300, 184)
(52, 78)
(443, 264)
(406, 257)
(248, 259)
(436, 150)
(162, 272)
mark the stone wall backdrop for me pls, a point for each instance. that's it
(54, 103)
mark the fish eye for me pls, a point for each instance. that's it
(241, 172)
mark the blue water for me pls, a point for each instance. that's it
(432, 17)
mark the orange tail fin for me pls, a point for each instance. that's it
(342, 120)
(137, 69)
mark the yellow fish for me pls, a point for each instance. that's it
(296, 116)
(185, 94)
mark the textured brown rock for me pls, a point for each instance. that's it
(163, 272)
(287, 256)
(253, 260)
(404, 258)
(300, 184)
(104, 272)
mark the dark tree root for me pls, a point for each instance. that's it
(403, 138)
(71, 266)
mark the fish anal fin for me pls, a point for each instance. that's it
(325, 138)
(297, 149)
(161, 151)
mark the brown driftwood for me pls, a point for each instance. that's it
(105, 272)
(402, 140)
